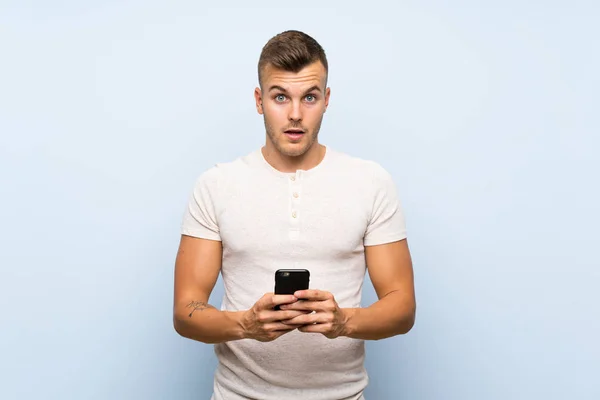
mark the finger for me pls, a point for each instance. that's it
(305, 319)
(287, 314)
(277, 326)
(299, 320)
(273, 316)
(269, 300)
(316, 328)
(313, 294)
(300, 305)
(303, 305)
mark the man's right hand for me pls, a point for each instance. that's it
(263, 323)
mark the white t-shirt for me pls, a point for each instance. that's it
(318, 219)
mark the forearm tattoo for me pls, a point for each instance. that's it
(197, 305)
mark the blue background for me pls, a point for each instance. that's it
(486, 114)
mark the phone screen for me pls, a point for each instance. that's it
(288, 281)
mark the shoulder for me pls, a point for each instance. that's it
(367, 169)
(230, 168)
(226, 170)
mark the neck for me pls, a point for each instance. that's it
(283, 163)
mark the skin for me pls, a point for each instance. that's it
(292, 100)
(390, 270)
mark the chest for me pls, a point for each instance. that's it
(312, 219)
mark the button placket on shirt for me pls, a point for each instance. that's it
(294, 198)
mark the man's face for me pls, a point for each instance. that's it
(293, 105)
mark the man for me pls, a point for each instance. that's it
(294, 203)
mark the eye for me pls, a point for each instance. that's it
(311, 98)
(280, 98)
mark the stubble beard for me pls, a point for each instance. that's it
(278, 139)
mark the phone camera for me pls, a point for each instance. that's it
(285, 274)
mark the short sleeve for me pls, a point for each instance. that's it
(199, 218)
(387, 222)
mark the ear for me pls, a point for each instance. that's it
(258, 99)
(327, 94)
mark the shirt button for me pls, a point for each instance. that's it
(296, 194)
(292, 178)
(294, 214)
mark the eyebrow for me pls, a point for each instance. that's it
(277, 87)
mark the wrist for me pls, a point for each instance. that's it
(239, 329)
(349, 321)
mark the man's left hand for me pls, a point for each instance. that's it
(328, 318)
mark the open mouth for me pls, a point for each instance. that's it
(294, 134)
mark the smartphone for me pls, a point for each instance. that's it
(287, 281)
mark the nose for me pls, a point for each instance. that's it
(295, 112)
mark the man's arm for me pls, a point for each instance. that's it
(390, 269)
(196, 271)
(391, 272)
